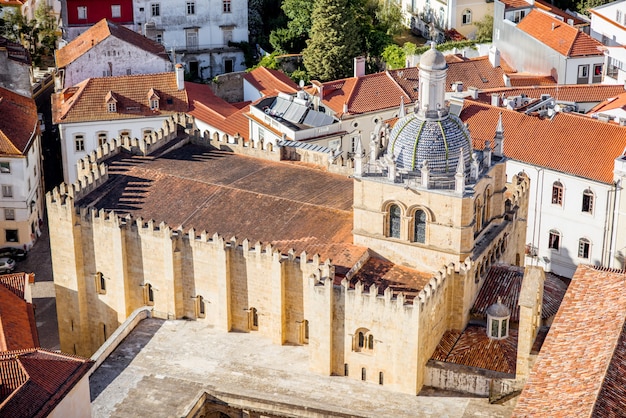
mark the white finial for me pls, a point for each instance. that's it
(401, 113)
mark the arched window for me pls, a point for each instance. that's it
(487, 207)
(478, 216)
(200, 309)
(253, 319)
(419, 233)
(584, 245)
(363, 340)
(467, 17)
(557, 193)
(363, 374)
(395, 214)
(370, 342)
(148, 294)
(587, 201)
(554, 239)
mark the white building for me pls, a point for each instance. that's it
(99, 109)
(608, 23)
(107, 49)
(197, 33)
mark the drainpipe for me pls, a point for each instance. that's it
(617, 189)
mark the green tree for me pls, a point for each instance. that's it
(389, 17)
(292, 39)
(394, 57)
(582, 6)
(334, 41)
(484, 29)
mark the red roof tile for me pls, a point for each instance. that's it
(617, 102)
(364, 94)
(98, 33)
(313, 208)
(561, 37)
(550, 8)
(504, 283)
(521, 80)
(515, 4)
(18, 122)
(34, 381)
(270, 82)
(576, 367)
(86, 101)
(474, 348)
(385, 274)
(582, 93)
(532, 139)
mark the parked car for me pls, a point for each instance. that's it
(14, 253)
(6, 265)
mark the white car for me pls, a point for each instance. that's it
(6, 265)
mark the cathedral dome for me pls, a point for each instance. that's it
(433, 59)
(415, 139)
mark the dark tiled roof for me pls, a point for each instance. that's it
(473, 348)
(385, 274)
(18, 122)
(304, 208)
(87, 100)
(34, 381)
(561, 37)
(505, 282)
(579, 371)
(15, 51)
(533, 140)
(98, 33)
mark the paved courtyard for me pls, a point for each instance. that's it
(163, 366)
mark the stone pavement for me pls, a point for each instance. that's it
(162, 366)
(39, 261)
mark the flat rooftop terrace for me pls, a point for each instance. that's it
(162, 367)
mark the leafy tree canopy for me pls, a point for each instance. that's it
(484, 29)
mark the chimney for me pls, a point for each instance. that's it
(180, 76)
(359, 66)
(495, 99)
(570, 22)
(457, 86)
(553, 26)
(507, 80)
(473, 92)
(494, 56)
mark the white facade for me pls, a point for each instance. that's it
(197, 33)
(21, 197)
(615, 65)
(76, 404)
(583, 231)
(608, 23)
(113, 57)
(79, 139)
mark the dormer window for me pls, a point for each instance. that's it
(111, 107)
(111, 102)
(153, 99)
(154, 104)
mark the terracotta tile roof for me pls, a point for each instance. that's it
(505, 282)
(86, 101)
(521, 80)
(15, 51)
(34, 381)
(473, 348)
(576, 367)
(364, 94)
(582, 93)
(563, 38)
(18, 329)
(533, 140)
(207, 107)
(612, 103)
(543, 5)
(16, 282)
(270, 82)
(515, 4)
(312, 208)
(18, 121)
(100, 32)
(385, 274)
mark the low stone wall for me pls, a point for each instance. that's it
(459, 378)
(118, 336)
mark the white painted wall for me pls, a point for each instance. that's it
(567, 219)
(114, 57)
(76, 404)
(572, 64)
(608, 30)
(90, 130)
(214, 28)
(250, 93)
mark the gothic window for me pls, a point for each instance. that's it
(467, 17)
(395, 214)
(584, 246)
(478, 216)
(419, 233)
(554, 239)
(363, 341)
(587, 201)
(557, 193)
